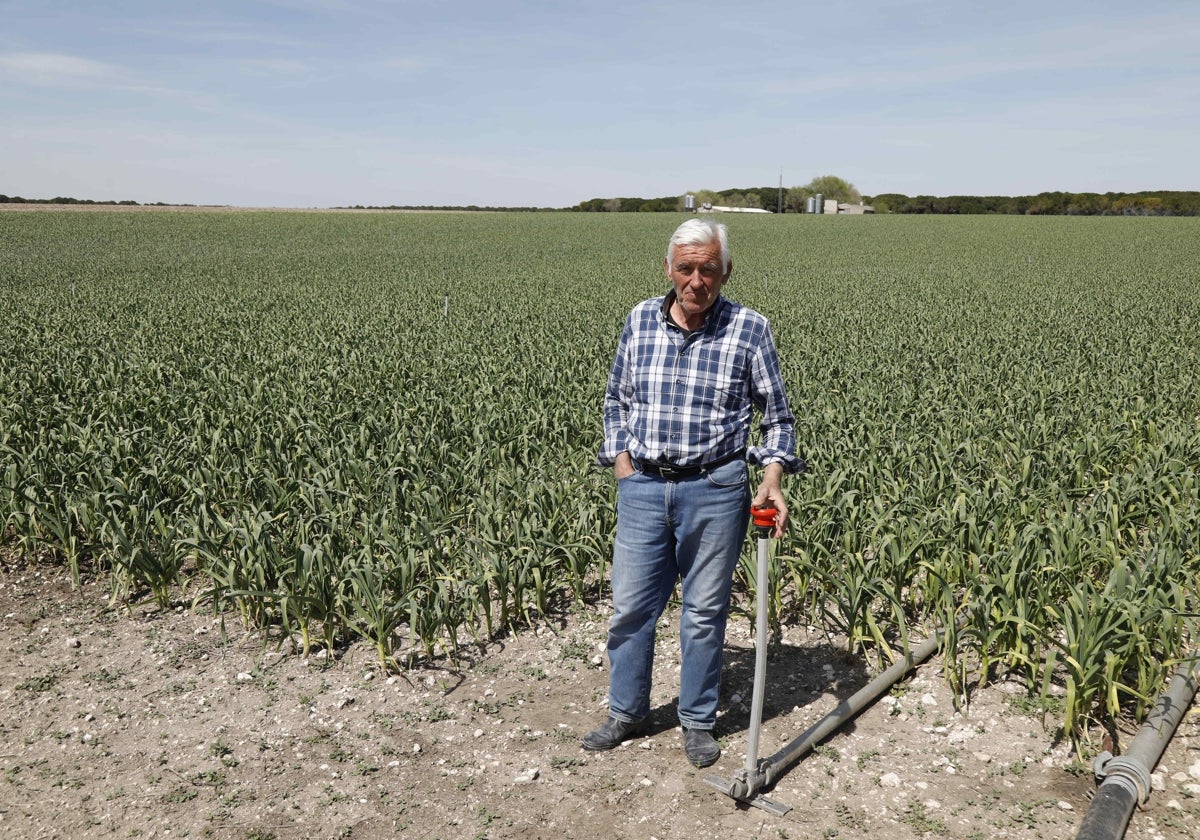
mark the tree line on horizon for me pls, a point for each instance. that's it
(59, 199)
(1146, 203)
(794, 199)
(775, 199)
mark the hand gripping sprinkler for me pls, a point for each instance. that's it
(747, 781)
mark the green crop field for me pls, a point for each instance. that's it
(383, 426)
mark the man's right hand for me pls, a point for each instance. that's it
(623, 467)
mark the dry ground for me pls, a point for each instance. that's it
(149, 723)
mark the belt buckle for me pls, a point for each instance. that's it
(669, 471)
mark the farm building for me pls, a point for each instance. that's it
(717, 208)
(832, 207)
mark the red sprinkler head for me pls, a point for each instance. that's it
(763, 517)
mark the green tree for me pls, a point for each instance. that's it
(706, 197)
(831, 186)
(737, 199)
(795, 199)
(660, 205)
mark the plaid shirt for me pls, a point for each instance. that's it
(685, 399)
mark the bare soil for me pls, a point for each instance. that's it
(143, 722)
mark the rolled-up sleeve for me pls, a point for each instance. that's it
(617, 397)
(778, 424)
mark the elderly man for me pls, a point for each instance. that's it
(690, 367)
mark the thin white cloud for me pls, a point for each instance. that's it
(1085, 46)
(56, 68)
(200, 31)
(383, 12)
(282, 66)
(75, 73)
(408, 64)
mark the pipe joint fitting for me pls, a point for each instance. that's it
(1128, 773)
(745, 785)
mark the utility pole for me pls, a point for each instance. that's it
(780, 209)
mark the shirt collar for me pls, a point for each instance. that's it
(665, 312)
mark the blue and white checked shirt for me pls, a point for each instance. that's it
(686, 400)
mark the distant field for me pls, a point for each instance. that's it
(382, 425)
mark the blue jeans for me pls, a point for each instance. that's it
(691, 530)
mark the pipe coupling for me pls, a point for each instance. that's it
(1129, 774)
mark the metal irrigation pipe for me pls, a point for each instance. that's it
(1126, 779)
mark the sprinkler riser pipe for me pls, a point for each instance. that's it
(760, 654)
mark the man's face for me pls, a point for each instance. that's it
(696, 274)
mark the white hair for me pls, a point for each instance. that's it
(701, 232)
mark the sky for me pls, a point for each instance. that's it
(325, 103)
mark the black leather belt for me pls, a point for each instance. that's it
(672, 472)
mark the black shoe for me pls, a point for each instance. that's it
(609, 734)
(700, 747)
